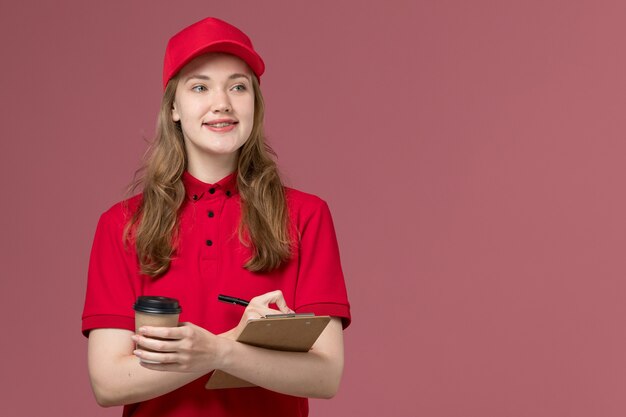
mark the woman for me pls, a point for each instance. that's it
(213, 218)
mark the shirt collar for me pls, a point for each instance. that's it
(196, 189)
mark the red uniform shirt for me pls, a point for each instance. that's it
(209, 261)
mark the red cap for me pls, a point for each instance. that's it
(209, 35)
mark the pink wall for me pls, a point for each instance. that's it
(472, 153)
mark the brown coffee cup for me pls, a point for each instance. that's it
(156, 311)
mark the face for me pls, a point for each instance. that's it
(214, 104)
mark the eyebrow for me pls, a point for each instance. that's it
(205, 77)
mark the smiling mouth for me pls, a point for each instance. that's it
(221, 124)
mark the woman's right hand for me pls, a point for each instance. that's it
(258, 308)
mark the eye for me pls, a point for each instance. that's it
(198, 88)
(239, 87)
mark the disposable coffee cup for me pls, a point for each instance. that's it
(155, 311)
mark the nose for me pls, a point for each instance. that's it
(221, 103)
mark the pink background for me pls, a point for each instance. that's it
(472, 154)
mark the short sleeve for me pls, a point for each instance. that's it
(112, 282)
(320, 288)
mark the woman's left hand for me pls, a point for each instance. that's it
(259, 307)
(189, 348)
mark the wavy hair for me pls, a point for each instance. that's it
(264, 225)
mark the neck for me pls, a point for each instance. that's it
(211, 168)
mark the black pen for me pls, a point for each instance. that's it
(233, 300)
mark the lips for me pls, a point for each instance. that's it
(220, 123)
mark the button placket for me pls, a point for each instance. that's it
(211, 223)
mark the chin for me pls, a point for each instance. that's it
(221, 151)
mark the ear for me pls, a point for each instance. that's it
(175, 115)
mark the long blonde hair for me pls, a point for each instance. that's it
(264, 225)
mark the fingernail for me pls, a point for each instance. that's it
(137, 352)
